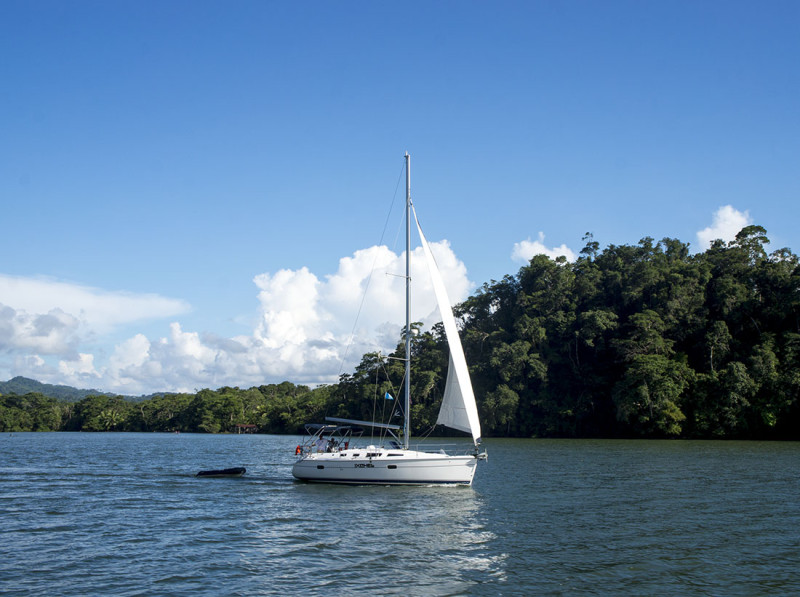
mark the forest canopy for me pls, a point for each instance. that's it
(643, 340)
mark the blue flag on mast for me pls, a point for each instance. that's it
(388, 396)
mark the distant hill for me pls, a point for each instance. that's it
(23, 385)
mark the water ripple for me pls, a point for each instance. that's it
(123, 514)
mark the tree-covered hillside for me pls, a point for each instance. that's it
(643, 340)
(632, 341)
(24, 385)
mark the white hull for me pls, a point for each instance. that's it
(386, 467)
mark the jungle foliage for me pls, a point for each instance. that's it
(633, 341)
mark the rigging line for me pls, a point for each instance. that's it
(428, 433)
(381, 366)
(396, 406)
(375, 397)
(371, 271)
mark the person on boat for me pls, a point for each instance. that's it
(322, 445)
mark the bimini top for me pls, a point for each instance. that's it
(314, 428)
(363, 423)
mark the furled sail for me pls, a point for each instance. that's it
(458, 409)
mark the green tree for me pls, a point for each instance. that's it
(649, 395)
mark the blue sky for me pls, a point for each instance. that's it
(193, 192)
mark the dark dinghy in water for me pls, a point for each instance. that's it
(223, 472)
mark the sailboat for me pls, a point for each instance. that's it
(331, 454)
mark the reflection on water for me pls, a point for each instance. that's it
(377, 539)
(123, 514)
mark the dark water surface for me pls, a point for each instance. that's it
(123, 514)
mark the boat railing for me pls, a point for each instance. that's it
(451, 449)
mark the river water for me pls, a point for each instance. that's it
(123, 514)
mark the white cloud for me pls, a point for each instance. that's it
(82, 367)
(291, 312)
(52, 332)
(525, 250)
(41, 317)
(94, 310)
(305, 325)
(726, 223)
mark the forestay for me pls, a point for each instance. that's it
(458, 410)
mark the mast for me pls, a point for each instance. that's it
(407, 408)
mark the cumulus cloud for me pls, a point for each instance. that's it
(525, 250)
(53, 332)
(725, 224)
(43, 319)
(81, 367)
(304, 331)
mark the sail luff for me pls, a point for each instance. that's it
(458, 410)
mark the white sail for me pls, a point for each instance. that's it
(458, 410)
